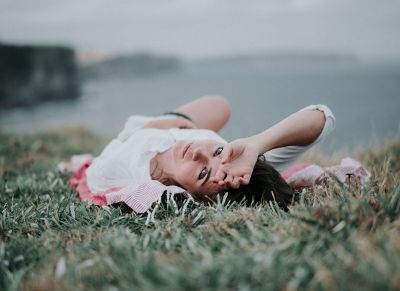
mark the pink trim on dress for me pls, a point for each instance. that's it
(78, 181)
(349, 172)
(293, 169)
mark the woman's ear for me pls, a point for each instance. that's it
(166, 181)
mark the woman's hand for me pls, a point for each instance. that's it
(178, 122)
(237, 163)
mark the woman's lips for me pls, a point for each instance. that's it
(185, 149)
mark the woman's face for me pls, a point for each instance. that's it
(194, 163)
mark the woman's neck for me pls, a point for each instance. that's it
(160, 167)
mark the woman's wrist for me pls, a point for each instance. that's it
(258, 143)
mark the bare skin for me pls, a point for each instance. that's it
(209, 112)
(177, 122)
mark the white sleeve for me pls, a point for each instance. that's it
(282, 158)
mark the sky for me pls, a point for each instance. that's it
(201, 28)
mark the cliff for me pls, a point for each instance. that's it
(32, 74)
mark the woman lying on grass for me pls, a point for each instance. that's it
(181, 152)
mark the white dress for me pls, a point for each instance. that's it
(125, 162)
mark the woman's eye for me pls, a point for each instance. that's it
(218, 151)
(203, 173)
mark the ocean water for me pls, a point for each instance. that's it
(365, 98)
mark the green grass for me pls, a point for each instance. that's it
(335, 238)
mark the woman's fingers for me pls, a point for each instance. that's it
(225, 181)
(220, 175)
(221, 183)
(225, 173)
(246, 179)
(226, 153)
(236, 182)
(228, 181)
(232, 181)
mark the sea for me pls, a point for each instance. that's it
(363, 95)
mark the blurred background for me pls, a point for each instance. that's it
(95, 62)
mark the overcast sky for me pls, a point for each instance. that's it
(197, 28)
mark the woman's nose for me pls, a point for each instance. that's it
(198, 154)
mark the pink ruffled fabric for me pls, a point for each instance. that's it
(139, 198)
(293, 169)
(349, 171)
(78, 181)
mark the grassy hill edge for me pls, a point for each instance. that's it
(336, 237)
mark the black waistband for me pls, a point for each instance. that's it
(178, 114)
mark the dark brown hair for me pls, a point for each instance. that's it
(266, 184)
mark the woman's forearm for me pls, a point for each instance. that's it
(301, 128)
(209, 112)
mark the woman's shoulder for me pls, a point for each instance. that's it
(137, 122)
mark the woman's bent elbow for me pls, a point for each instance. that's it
(223, 103)
(221, 109)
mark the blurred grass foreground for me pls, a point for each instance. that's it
(336, 237)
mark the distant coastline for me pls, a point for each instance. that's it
(135, 64)
(281, 57)
(94, 65)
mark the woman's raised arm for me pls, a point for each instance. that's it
(299, 129)
(238, 157)
(209, 112)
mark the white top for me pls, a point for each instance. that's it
(125, 161)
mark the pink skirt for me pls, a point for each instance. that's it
(78, 181)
